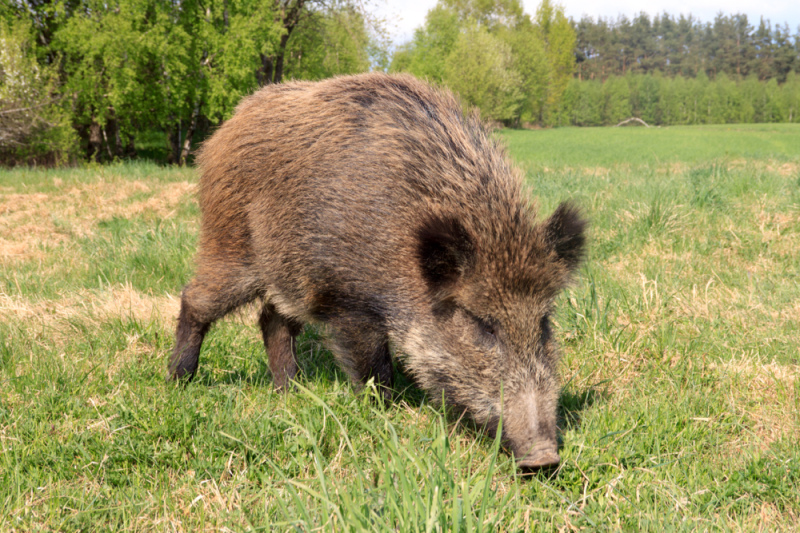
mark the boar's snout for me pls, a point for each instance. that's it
(529, 428)
(541, 457)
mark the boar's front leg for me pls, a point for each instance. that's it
(363, 351)
(216, 290)
(279, 339)
(188, 339)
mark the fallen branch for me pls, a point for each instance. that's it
(21, 109)
(633, 119)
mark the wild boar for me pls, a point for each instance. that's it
(374, 205)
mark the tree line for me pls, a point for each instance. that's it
(87, 78)
(661, 100)
(685, 46)
(513, 66)
(105, 79)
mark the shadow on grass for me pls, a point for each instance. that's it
(573, 403)
(316, 365)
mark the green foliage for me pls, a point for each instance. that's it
(659, 100)
(331, 43)
(237, 35)
(587, 97)
(491, 53)
(34, 126)
(479, 68)
(141, 69)
(617, 100)
(559, 43)
(530, 61)
(425, 56)
(686, 46)
(790, 98)
(141, 64)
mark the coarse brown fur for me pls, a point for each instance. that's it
(373, 205)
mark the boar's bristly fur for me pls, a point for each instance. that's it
(373, 205)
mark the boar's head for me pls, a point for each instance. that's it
(486, 343)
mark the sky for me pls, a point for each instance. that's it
(405, 15)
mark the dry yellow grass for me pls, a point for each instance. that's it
(118, 301)
(31, 221)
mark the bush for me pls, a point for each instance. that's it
(34, 128)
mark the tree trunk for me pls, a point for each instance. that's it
(117, 140)
(187, 142)
(112, 138)
(174, 139)
(130, 148)
(95, 141)
(290, 21)
(278, 76)
(264, 74)
(108, 144)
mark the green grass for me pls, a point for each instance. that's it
(681, 370)
(588, 147)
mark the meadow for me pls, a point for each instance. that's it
(680, 407)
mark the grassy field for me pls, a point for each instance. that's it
(681, 369)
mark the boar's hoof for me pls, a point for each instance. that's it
(539, 460)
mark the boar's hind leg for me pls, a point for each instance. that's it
(279, 339)
(364, 353)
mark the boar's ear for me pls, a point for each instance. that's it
(445, 251)
(564, 231)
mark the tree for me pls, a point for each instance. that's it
(684, 45)
(441, 53)
(480, 70)
(529, 59)
(644, 96)
(589, 104)
(785, 56)
(427, 52)
(33, 125)
(301, 15)
(617, 100)
(559, 44)
(332, 43)
(791, 97)
(133, 66)
(494, 15)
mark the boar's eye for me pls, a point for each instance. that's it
(487, 328)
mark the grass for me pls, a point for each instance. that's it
(681, 372)
(695, 145)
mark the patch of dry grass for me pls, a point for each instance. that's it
(118, 301)
(35, 220)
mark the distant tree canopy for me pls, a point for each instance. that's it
(685, 46)
(33, 124)
(518, 68)
(659, 100)
(511, 66)
(123, 67)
